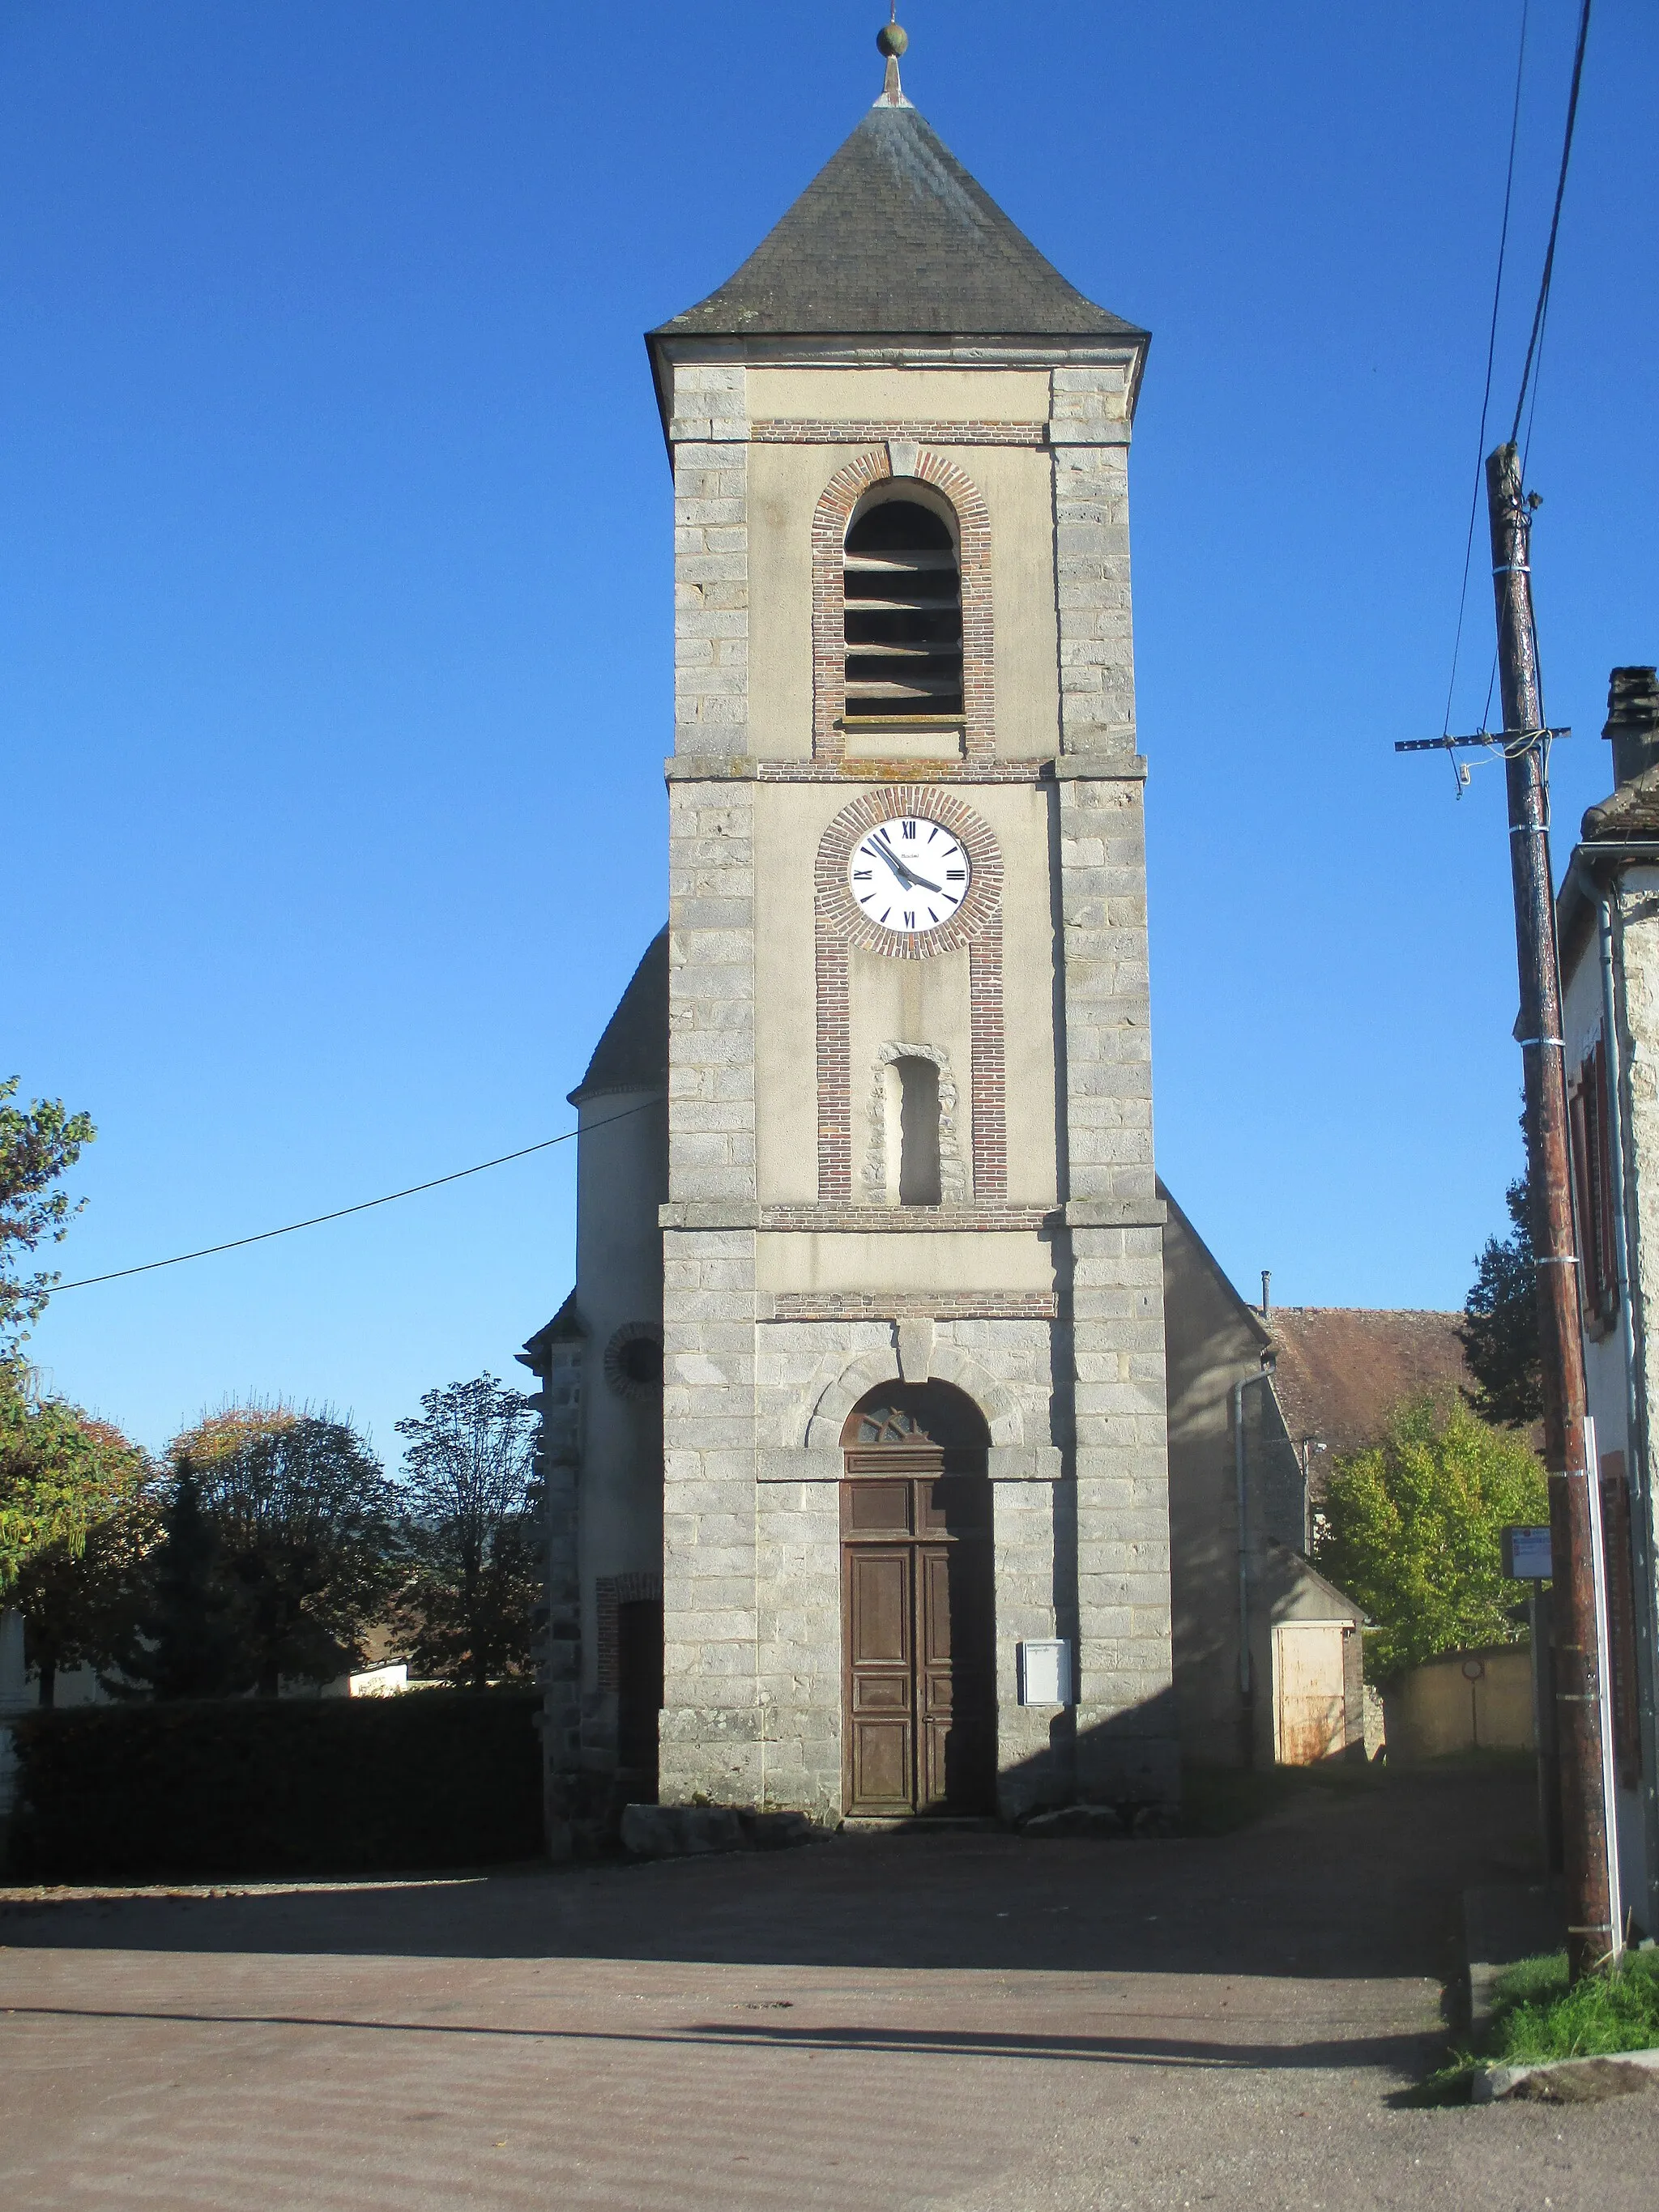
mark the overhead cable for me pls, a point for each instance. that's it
(363, 1206)
(1542, 309)
(1491, 352)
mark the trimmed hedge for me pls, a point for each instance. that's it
(249, 1787)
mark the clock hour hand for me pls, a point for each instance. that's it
(906, 875)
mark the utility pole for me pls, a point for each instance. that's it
(1579, 1687)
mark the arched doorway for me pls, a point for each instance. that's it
(918, 1606)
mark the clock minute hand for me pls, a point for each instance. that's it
(906, 874)
(892, 860)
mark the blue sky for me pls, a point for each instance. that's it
(334, 600)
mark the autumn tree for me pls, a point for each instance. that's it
(470, 1496)
(39, 1143)
(80, 1594)
(1411, 1530)
(58, 1476)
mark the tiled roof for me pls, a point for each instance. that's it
(1632, 811)
(633, 1054)
(1341, 1370)
(893, 235)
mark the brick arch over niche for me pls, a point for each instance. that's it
(817, 1423)
(836, 503)
(838, 927)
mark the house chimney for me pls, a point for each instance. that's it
(1633, 722)
(1267, 1284)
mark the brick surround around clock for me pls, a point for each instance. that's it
(977, 924)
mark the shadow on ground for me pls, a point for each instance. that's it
(1403, 2053)
(1335, 1884)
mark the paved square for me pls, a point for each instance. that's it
(971, 2022)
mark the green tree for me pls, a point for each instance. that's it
(57, 1476)
(80, 1599)
(1410, 1529)
(470, 1495)
(1500, 1322)
(188, 1641)
(304, 1521)
(37, 1144)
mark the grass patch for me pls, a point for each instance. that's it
(1538, 2016)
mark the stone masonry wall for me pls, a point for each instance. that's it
(1090, 435)
(709, 1727)
(1125, 1718)
(559, 1642)
(711, 558)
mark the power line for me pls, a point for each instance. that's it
(1543, 307)
(363, 1206)
(1485, 397)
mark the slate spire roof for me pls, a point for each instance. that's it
(893, 235)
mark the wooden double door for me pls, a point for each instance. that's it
(918, 1722)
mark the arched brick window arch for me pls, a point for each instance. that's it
(835, 504)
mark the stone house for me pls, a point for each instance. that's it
(1607, 924)
(876, 1482)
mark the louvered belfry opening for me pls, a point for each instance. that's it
(903, 596)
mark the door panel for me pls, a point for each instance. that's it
(881, 1608)
(881, 1766)
(880, 1690)
(1312, 1702)
(876, 1508)
(921, 1698)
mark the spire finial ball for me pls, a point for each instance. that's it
(892, 40)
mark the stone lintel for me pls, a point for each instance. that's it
(1116, 1213)
(1090, 430)
(708, 1213)
(1105, 766)
(709, 768)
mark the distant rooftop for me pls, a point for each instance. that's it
(1342, 1370)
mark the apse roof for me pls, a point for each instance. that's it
(893, 235)
(633, 1053)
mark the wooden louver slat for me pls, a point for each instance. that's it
(904, 613)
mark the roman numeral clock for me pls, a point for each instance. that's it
(908, 876)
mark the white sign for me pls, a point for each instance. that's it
(1526, 1555)
(1045, 1673)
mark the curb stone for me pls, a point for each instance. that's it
(1568, 2080)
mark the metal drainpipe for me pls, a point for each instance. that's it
(1240, 1492)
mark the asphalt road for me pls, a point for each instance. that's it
(975, 2022)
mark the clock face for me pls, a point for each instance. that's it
(908, 875)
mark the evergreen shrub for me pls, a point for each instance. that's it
(242, 1789)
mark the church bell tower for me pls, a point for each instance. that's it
(915, 1524)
